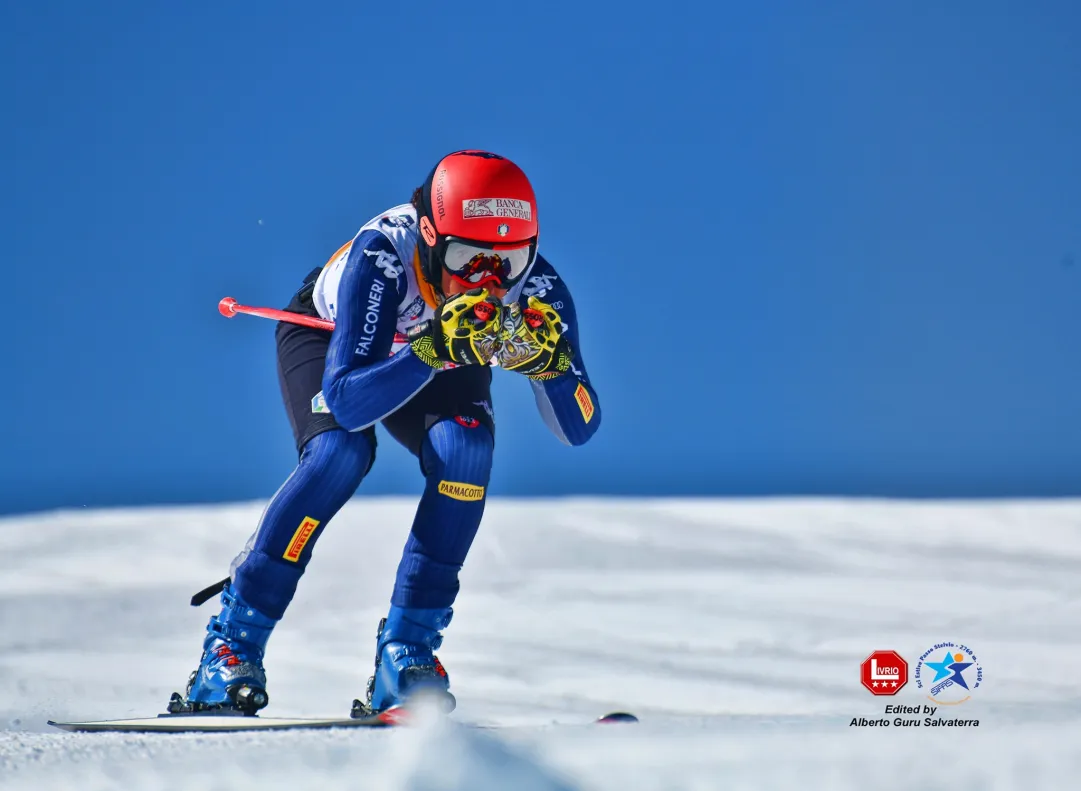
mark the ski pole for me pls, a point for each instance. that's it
(229, 308)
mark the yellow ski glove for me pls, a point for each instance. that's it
(466, 330)
(533, 342)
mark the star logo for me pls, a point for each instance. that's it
(952, 667)
(952, 677)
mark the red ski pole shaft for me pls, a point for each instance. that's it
(229, 308)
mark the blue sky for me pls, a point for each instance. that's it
(817, 248)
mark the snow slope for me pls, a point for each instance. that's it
(734, 628)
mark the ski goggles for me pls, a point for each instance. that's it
(477, 263)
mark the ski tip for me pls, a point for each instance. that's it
(395, 715)
(617, 716)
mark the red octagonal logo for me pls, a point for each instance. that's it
(884, 672)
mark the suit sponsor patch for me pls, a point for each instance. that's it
(461, 491)
(413, 310)
(300, 539)
(585, 403)
(539, 286)
(387, 262)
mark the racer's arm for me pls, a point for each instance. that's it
(567, 402)
(362, 384)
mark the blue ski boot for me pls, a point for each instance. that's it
(404, 662)
(230, 675)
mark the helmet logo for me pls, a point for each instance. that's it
(497, 207)
(439, 182)
(478, 207)
(427, 231)
(503, 229)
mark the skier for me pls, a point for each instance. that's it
(425, 298)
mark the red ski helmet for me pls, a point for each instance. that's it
(478, 220)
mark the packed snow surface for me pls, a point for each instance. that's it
(733, 628)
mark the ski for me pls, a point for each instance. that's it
(219, 722)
